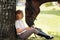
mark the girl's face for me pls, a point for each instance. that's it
(20, 16)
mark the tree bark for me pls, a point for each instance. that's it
(7, 19)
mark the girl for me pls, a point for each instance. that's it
(23, 31)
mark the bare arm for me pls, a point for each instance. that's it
(20, 30)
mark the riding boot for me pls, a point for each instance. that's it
(41, 33)
(44, 35)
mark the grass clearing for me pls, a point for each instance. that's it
(49, 22)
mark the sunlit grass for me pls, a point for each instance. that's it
(48, 21)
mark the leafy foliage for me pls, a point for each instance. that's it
(48, 4)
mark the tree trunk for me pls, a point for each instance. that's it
(7, 19)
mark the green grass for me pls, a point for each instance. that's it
(49, 22)
(55, 12)
(40, 38)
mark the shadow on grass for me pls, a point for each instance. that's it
(55, 35)
(41, 38)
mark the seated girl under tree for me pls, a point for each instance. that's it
(24, 32)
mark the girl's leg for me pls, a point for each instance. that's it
(27, 33)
